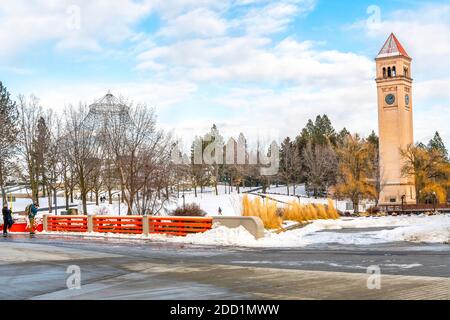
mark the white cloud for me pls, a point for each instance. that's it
(84, 25)
(273, 17)
(160, 94)
(252, 59)
(199, 22)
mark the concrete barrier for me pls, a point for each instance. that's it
(254, 225)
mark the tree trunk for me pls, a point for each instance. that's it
(50, 206)
(66, 196)
(84, 200)
(355, 205)
(110, 196)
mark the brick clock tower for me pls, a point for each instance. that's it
(395, 121)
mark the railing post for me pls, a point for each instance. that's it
(90, 223)
(145, 225)
(45, 222)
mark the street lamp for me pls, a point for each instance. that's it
(184, 203)
(434, 201)
(118, 195)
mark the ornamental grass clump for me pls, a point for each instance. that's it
(265, 209)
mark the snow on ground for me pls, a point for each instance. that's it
(231, 203)
(420, 229)
(207, 200)
(429, 229)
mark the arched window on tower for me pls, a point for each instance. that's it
(389, 72)
(405, 72)
(384, 72)
(394, 71)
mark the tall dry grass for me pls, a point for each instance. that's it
(267, 210)
(295, 211)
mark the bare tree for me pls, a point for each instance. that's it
(321, 166)
(30, 112)
(139, 150)
(81, 148)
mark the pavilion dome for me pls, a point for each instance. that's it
(109, 104)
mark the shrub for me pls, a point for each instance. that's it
(190, 210)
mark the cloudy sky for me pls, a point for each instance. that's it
(256, 66)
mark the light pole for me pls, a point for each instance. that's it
(434, 201)
(118, 195)
(56, 202)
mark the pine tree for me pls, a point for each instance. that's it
(374, 144)
(8, 136)
(437, 144)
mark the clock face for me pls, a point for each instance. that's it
(390, 99)
(407, 99)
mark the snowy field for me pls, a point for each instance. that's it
(230, 203)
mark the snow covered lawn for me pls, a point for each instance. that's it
(425, 229)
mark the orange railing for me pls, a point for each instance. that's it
(179, 226)
(67, 223)
(116, 224)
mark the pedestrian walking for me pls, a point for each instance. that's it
(7, 219)
(220, 211)
(32, 210)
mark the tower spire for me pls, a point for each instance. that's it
(392, 47)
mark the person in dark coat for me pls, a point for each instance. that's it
(7, 219)
(32, 215)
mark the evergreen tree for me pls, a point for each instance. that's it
(8, 136)
(437, 144)
(374, 145)
(342, 136)
(288, 163)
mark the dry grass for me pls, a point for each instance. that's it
(265, 209)
(294, 211)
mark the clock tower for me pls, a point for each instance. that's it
(395, 121)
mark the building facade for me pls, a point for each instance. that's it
(395, 121)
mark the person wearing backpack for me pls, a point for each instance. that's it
(32, 211)
(7, 219)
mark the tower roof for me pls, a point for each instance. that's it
(392, 48)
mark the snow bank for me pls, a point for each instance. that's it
(434, 229)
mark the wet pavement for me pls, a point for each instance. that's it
(141, 269)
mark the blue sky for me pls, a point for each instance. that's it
(254, 66)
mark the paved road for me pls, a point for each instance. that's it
(140, 269)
